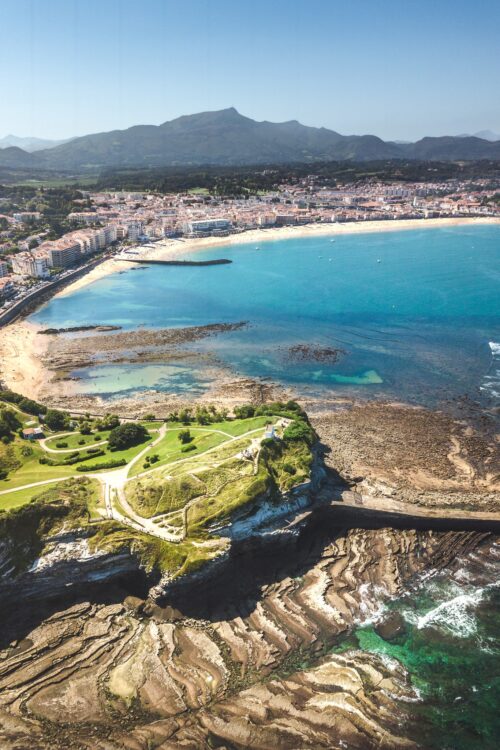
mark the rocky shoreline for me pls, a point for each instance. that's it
(103, 667)
(97, 654)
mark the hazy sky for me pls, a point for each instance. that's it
(395, 68)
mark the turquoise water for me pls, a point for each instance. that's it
(451, 649)
(417, 312)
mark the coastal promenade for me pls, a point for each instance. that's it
(45, 290)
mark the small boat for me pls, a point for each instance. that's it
(329, 260)
(257, 247)
(378, 260)
(332, 240)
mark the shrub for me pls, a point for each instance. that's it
(10, 396)
(109, 422)
(184, 436)
(85, 429)
(31, 407)
(9, 423)
(244, 412)
(127, 435)
(289, 468)
(185, 416)
(97, 438)
(81, 442)
(55, 420)
(298, 430)
(267, 443)
(189, 447)
(100, 467)
(62, 444)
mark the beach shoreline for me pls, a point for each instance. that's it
(170, 249)
(22, 351)
(25, 355)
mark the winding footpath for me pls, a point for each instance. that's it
(119, 509)
(113, 483)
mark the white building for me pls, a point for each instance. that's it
(29, 264)
(134, 230)
(25, 216)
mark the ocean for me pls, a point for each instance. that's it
(415, 313)
(448, 642)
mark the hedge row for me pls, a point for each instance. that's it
(100, 467)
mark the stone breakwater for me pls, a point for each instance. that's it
(103, 670)
(145, 261)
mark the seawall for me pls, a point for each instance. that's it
(38, 296)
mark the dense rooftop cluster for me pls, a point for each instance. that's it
(100, 220)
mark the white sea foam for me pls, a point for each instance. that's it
(491, 381)
(457, 615)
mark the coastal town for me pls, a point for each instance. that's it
(104, 224)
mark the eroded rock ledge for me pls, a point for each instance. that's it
(238, 661)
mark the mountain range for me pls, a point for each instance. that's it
(225, 137)
(29, 144)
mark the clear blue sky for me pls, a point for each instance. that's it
(396, 68)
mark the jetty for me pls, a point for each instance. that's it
(145, 261)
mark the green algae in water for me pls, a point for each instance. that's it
(451, 651)
(370, 377)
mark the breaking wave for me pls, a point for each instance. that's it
(457, 615)
(491, 381)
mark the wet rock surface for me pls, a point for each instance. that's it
(414, 455)
(240, 660)
(311, 353)
(391, 627)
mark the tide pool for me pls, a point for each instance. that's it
(417, 313)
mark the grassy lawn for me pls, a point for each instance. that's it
(169, 449)
(32, 471)
(152, 426)
(27, 420)
(74, 439)
(239, 426)
(96, 502)
(21, 497)
(127, 454)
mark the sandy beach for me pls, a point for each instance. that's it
(169, 249)
(21, 353)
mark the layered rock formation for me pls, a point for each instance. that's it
(238, 660)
